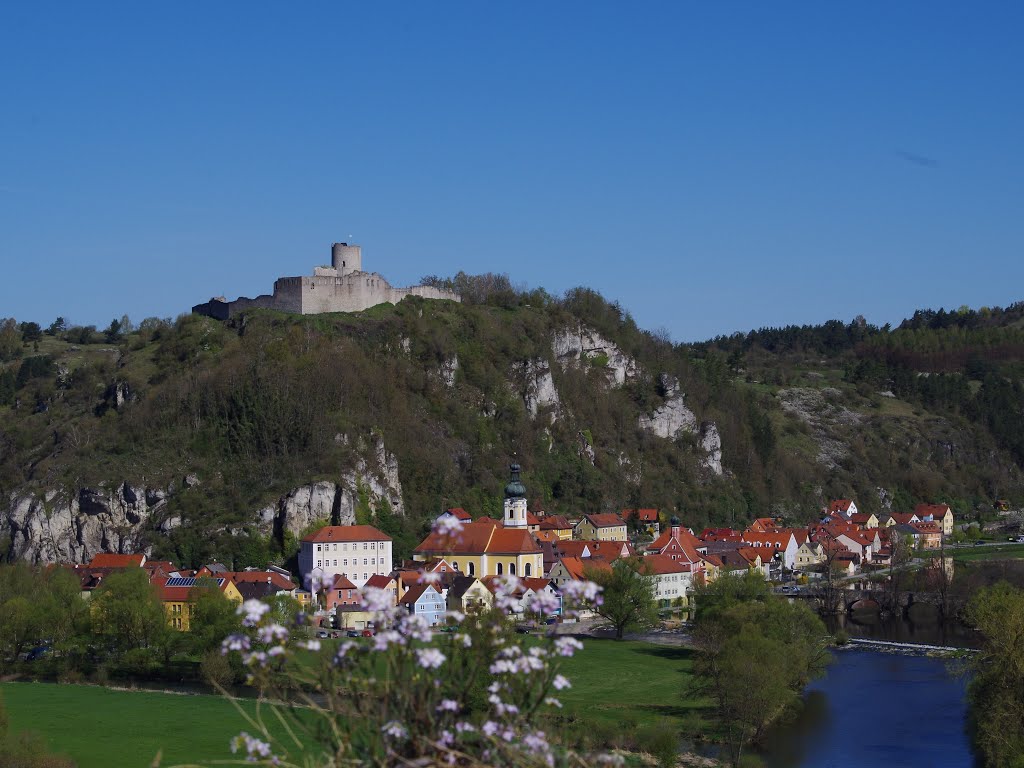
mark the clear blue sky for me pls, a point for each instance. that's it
(714, 167)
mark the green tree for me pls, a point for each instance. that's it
(127, 612)
(57, 327)
(30, 332)
(996, 693)
(213, 618)
(756, 653)
(113, 332)
(628, 594)
(10, 340)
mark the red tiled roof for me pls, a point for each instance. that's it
(840, 505)
(555, 523)
(532, 519)
(602, 550)
(181, 594)
(460, 513)
(478, 538)
(281, 582)
(551, 536)
(337, 533)
(935, 510)
(662, 564)
(643, 515)
(414, 592)
(604, 520)
(379, 580)
(341, 582)
(110, 560)
(536, 584)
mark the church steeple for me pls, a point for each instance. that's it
(515, 501)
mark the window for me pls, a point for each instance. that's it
(364, 545)
(500, 571)
(527, 569)
(512, 569)
(318, 547)
(455, 565)
(344, 561)
(373, 545)
(472, 570)
(344, 547)
(318, 563)
(364, 561)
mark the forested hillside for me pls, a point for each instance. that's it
(196, 437)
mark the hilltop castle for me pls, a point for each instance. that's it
(341, 287)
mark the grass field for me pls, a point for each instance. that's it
(1005, 551)
(615, 684)
(106, 728)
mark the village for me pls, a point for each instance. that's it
(463, 563)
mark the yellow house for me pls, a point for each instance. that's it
(483, 549)
(469, 595)
(178, 596)
(939, 513)
(603, 527)
(810, 553)
(558, 525)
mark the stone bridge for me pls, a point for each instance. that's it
(844, 600)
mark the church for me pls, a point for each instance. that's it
(488, 548)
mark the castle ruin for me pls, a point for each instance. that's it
(341, 287)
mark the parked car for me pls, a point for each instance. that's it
(368, 633)
(37, 653)
(979, 543)
(353, 633)
(322, 633)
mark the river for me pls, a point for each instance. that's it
(877, 709)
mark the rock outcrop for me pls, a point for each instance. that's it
(711, 444)
(537, 387)
(56, 527)
(52, 527)
(673, 416)
(581, 345)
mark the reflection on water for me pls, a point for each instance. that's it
(877, 709)
(922, 625)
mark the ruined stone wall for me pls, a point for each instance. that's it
(323, 292)
(356, 292)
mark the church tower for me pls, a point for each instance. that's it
(515, 501)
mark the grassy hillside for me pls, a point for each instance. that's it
(268, 401)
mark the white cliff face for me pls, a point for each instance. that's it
(585, 448)
(448, 370)
(673, 417)
(335, 503)
(73, 528)
(711, 444)
(580, 345)
(54, 528)
(538, 387)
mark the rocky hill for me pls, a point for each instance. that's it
(198, 439)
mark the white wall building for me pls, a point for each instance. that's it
(355, 551)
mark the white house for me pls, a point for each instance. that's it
(355, 551)
(673, 579)
(783, 542)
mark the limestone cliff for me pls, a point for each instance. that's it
(71, 526)
(579, 345)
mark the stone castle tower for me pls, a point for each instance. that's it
(341, 287)
(515, 501)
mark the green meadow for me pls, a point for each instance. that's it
(616, 686)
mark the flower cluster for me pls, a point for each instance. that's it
(410, 694)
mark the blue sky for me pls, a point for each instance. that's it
(713, 167)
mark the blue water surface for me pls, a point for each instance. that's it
(878, 709)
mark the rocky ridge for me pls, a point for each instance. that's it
(53, 526)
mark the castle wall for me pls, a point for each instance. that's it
(356, 292)
(337, 288)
